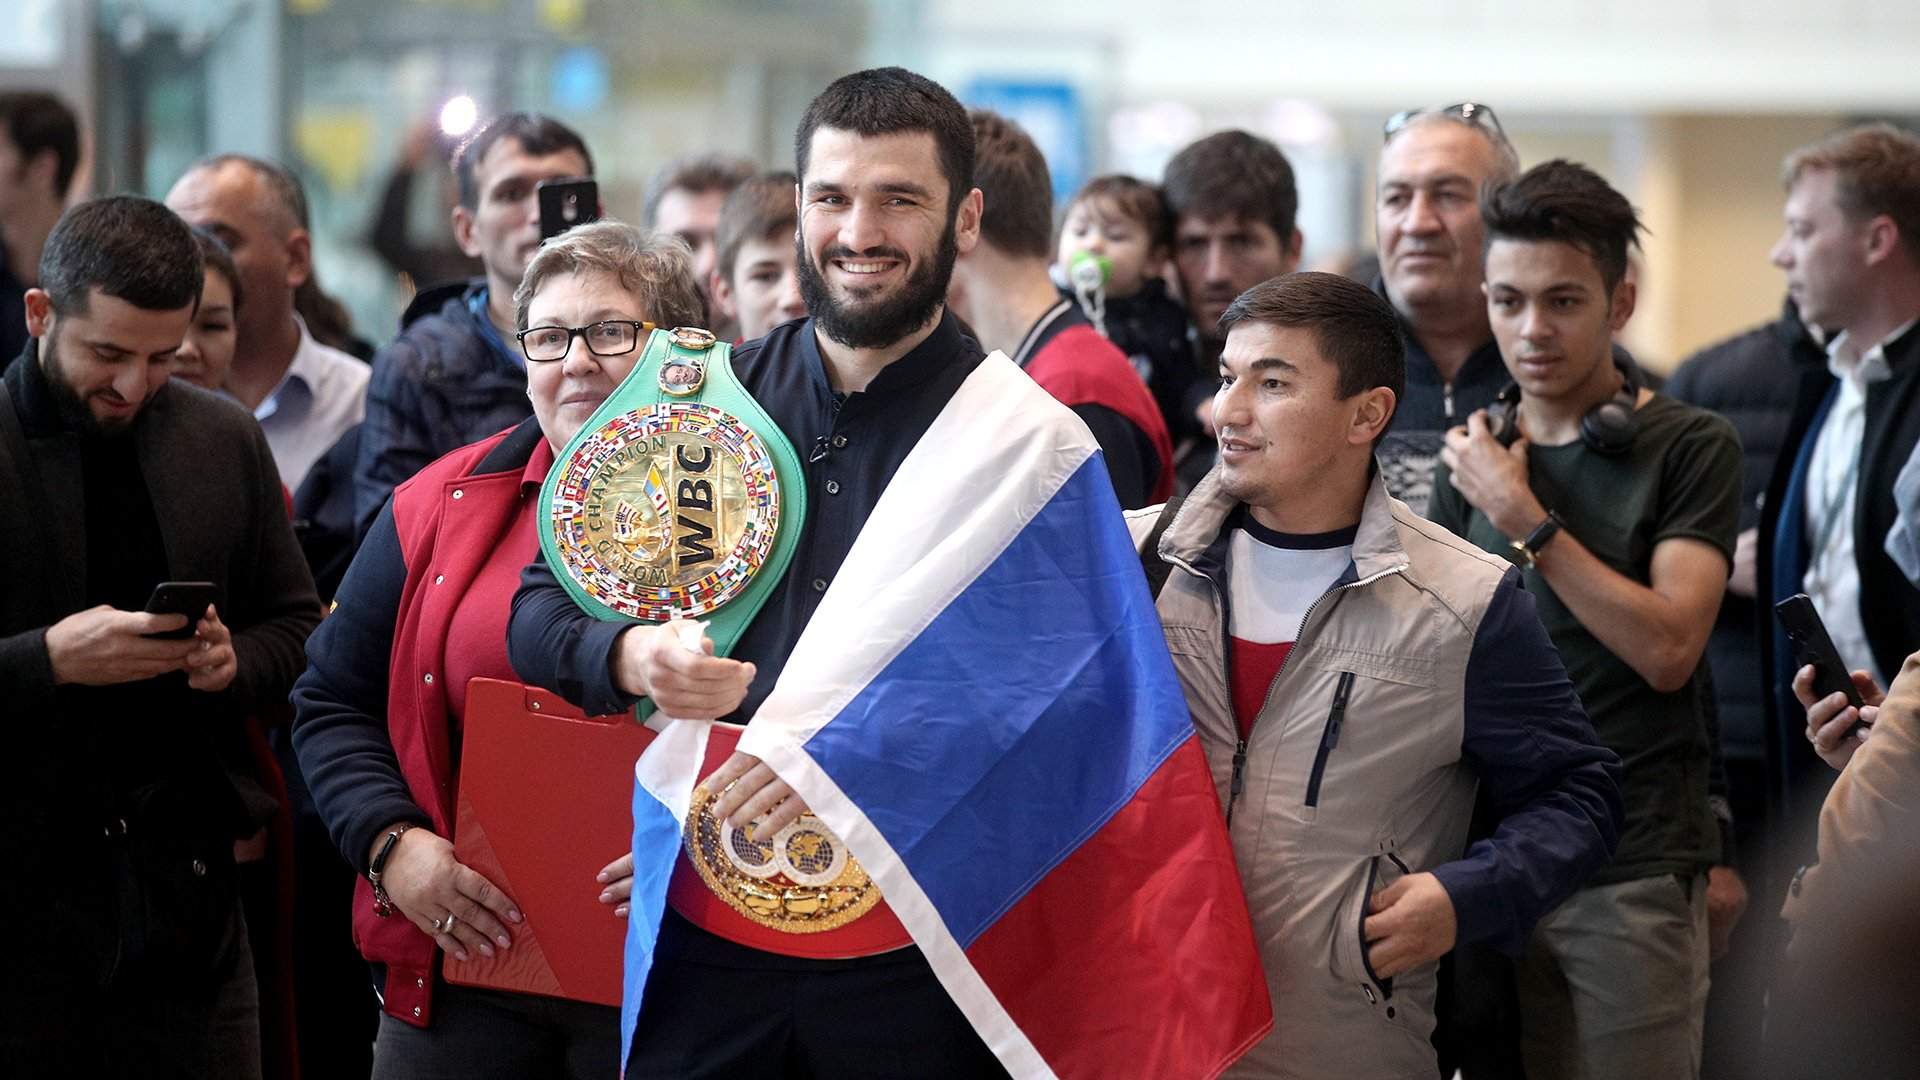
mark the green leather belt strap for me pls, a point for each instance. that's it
(678, 498)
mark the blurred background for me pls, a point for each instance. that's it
(1687, 105)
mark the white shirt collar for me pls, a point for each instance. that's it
(301, 374)
(1868, 367)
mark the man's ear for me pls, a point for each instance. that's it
(39, 313)
(1883, 240)
(1625, 296)
(721, 290)
(463, 233)
(1373, 411)
(299, 258)
(966, 226)
(1291, 250)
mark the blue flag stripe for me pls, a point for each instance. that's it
(991, 746)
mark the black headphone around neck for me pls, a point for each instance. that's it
(1607, 428)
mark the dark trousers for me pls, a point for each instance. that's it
(149, 1028)
(884, 1016)
(1737, 1000)
(479, 1033)
(335, 1009)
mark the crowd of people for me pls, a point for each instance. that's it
(1473, 614)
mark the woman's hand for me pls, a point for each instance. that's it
(617, 876)
(450, 902)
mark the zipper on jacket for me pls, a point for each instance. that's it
(1446, 399)
(1239, 781)
(1329, 736)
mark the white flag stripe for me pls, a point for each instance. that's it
(990, 461)
(670, 765)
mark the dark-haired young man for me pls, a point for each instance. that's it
(451, 376)
(886, 204)
(114, 479)
(1004, 292)
(39, 151)
(756, 278)
(1621, 507)
(1355, 672)
(1233, 201)
(685, 198)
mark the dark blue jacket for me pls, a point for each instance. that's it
(446, 381)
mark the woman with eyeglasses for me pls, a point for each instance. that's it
(423, 609)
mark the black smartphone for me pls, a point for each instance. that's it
(189, 598)
(1811, 645)
(566, 203)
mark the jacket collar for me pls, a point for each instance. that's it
(1197, 532)
(514, 451)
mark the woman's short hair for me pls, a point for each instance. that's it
(656, 267)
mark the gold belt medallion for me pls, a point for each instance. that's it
(667, 511)
(800, 880)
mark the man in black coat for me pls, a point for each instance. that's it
(129, 954)
(1851, 253)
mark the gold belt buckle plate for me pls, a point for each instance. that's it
(800, 880)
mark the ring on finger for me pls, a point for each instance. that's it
(445, 925)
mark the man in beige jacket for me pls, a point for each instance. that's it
(1845, 994)
(1355, 673)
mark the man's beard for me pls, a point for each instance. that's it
(71, 407)
(880, 322)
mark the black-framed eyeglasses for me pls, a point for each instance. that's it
(1470, 113)
(608, 337)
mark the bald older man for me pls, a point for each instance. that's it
(304, 394)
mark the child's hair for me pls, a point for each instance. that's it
(1132, 198)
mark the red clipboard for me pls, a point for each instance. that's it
(546, 800)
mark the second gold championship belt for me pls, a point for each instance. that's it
(680, 498)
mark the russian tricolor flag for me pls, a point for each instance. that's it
(984, 709)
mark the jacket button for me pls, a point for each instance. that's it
(421, 983)
(439, 578)
(199, 868)
(458, 494)
(839, 441)
(833, 487)
(429, 678)
(819, 584)
(416, 1008)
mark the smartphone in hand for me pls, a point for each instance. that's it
(1812, 645)
(189, 598)
(566, 203)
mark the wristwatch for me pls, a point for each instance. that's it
(383, 904)
(1528, 547)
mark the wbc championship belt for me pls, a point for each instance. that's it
(680, 498)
